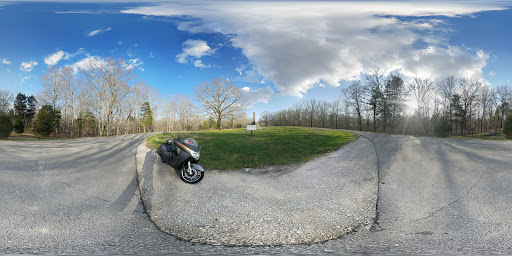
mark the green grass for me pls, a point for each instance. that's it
(482, 136)
(236, 148)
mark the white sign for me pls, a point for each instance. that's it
(251, 128)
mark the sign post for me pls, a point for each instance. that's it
(253, 126)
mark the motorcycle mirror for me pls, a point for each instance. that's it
(169, 141)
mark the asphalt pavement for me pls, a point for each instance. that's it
(436, 196)
(73, 197)
(320, 200)
(439, 196)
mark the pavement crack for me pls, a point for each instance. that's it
(71, 186)
(453, 202)
(376, 225)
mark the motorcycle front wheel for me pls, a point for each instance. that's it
(192, 176)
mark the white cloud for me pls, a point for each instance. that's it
(56, 57)
(86, 62)
(98, 31)
(240, 69)
(298, 45)
(5, 61)
(133, 63)
(28, 66)
(258, 95)
(194, 50)
(23, 79)
(199, 64)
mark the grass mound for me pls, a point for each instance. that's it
(236, 148)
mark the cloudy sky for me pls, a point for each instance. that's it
(280, 51)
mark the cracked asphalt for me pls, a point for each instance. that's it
(439, 196)
(436, 196)
(322, 199)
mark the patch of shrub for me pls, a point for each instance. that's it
(507, 127)
(443, 128)
(5, 125)
(19, 126)
(47, 120)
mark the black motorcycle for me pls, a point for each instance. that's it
(183, 156)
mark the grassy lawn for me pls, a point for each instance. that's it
(482, 136)
(236, 148)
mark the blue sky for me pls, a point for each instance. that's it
(282, 52)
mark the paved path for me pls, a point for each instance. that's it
(81, 196)
(314, 202)
(439, 195)
(74, 196)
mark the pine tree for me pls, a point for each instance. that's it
(20, 106)
(30, 111)
(507, 127)
(86, 122)
(147, 116)
(47, 120)
(25, 109)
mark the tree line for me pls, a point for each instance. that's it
(103, 97)
(390, 104)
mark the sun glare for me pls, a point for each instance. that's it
(411, 105)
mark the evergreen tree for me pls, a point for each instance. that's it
(47, 120)
(25, 108)
(459, 115)
(147, 116)
(212, 122)
(20, 106)
(31, 111)
(443, 128)
(507, 127)
(86, 122)
(19, 126)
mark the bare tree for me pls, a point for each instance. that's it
(185, 110)
(323, 112)
(485, 103)
(421, 91)
(447, 88)
(354, 95)
(335, 113)
(311, 109)
(51, 87)
(169, 113)
(6, 98)
(67, 90)
(221, 98)
(295, 113)
(109, 81)
(469, 94)
(503, 94)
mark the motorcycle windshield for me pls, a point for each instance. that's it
(190, 142)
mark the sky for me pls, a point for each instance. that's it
(280, 52)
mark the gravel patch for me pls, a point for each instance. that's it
(297, 204)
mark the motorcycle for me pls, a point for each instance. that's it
(183, 157)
